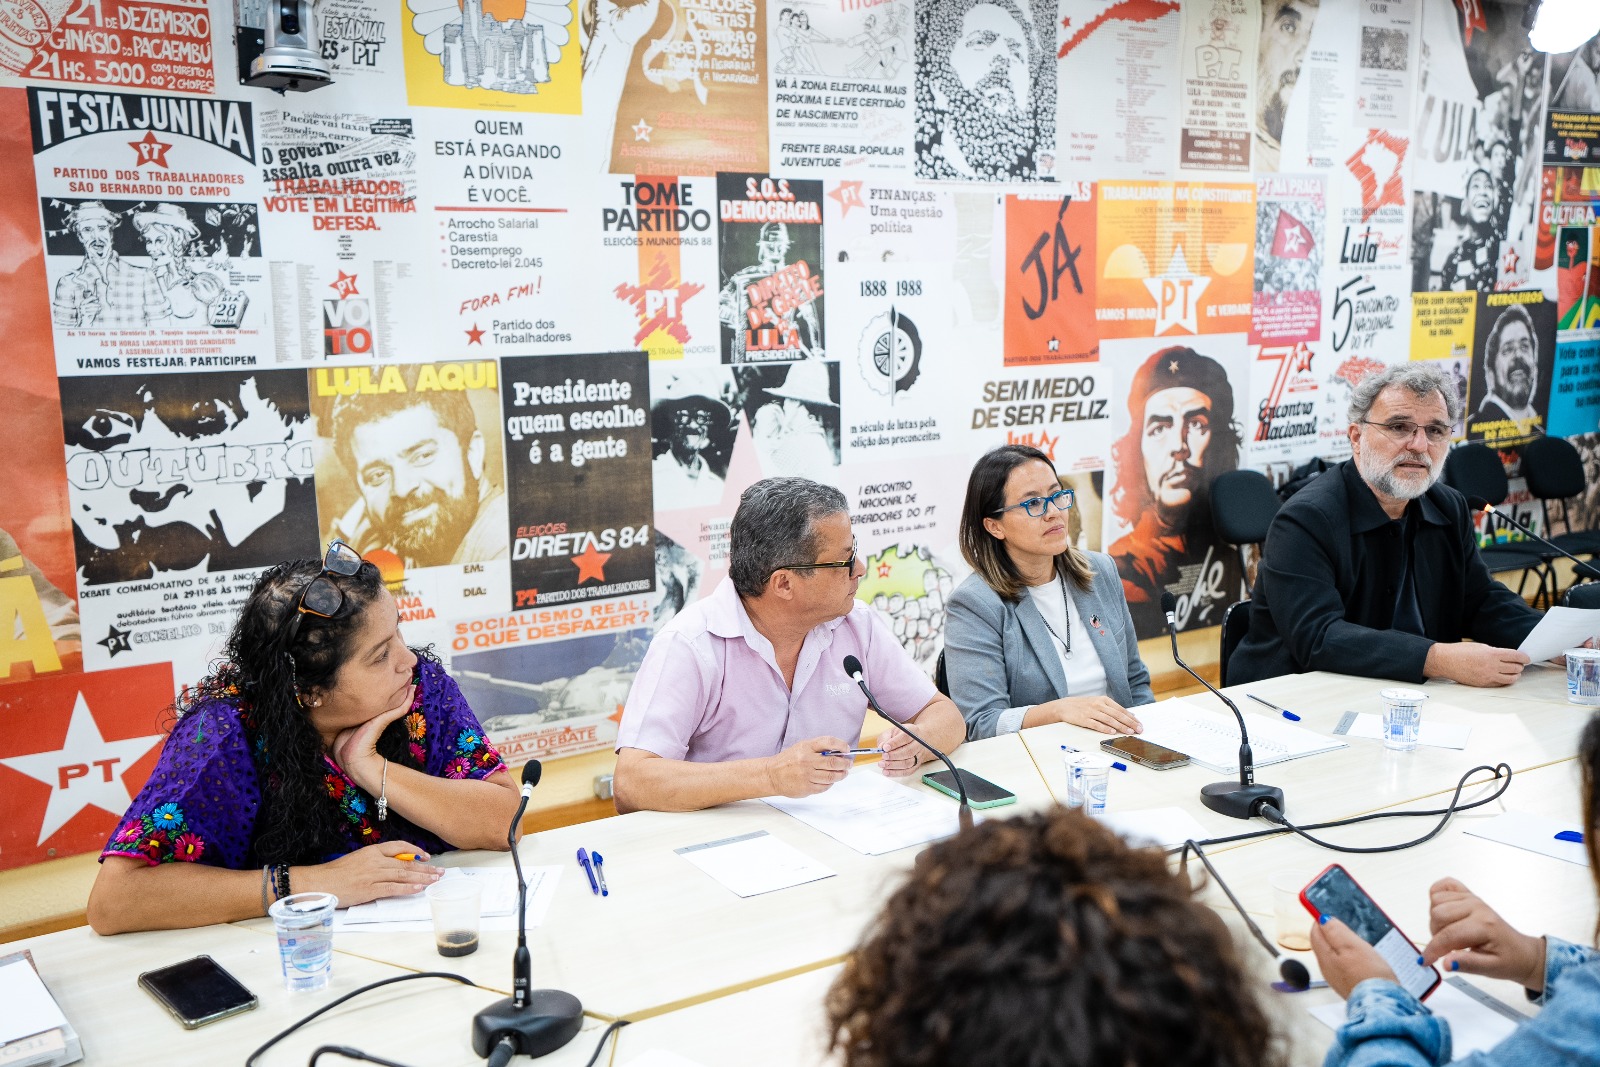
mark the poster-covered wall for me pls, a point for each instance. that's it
(522, 302)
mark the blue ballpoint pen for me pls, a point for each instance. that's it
(600, 872)
(1285, 712)
(583, 861)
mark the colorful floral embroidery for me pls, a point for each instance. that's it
(417, 726)
(459, 767)
(189, 847)
(466, 741)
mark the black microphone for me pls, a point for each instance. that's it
(1246, 799)
(852, 667)
(1296, 979)
(1580, 569)
(530, 1022)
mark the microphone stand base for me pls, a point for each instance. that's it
(1240, 801)
(551, 1019)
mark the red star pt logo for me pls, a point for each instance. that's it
(149, 150)
(344, 285)
(474, 335)
(849, 195)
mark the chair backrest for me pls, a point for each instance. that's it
(1586, 595)
(1475, 469)
(1553, 468)
(941, 680)
(1243, 504)
(1235, 624)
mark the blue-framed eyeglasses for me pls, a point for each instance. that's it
(1037, 506)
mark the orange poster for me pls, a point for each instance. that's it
(1050, 261)
(1175, 258)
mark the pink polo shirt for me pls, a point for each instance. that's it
(709, 689)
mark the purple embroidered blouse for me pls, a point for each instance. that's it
(200, 802)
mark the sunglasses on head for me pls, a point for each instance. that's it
(321, 597)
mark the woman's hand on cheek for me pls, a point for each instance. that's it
(356, 749)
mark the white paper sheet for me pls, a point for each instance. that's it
(1434, 733)
(1167, 827)
(1474, 1026)
(499, 887)
(411, 914)
(872, 814)
(26, 1006)
(1535, 833)
(1211, 738)
(754, 863)
(1559, 630)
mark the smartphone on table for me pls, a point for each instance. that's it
(981, 793)
(1145, 753)
(1335, 894)
(197, 991)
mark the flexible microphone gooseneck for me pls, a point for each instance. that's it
(1580, 568)
(530, 1022)
(852, 667)
(1246, 799)
(1295, 977)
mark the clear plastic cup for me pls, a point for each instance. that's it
(1088, 777)
(1402, 718)
(457, 906)
(1583, 677)
(305, 939)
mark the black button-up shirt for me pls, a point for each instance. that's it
(1330, 573)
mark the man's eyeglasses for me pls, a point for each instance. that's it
(848, 563)
(1037, 506)
(321, 597)
(1401, 431)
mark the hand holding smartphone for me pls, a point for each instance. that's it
(1335, 894)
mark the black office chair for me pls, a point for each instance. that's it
(1473, 469)
(1586, 595)
(1243, 505)
(941, 680)
(1235, 624)
(1554, 472)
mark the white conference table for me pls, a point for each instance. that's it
(1524, 726)
(668, 935)
(716, 978)
(95, 981)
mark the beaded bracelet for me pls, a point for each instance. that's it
(280, 879)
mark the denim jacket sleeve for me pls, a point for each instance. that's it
(1388, 1026)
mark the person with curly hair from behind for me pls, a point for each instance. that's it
(1045, 941)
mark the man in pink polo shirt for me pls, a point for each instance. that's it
(742, 692)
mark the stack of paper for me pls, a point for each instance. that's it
(1211, 738)
(413, 913)
(33, 1032)
(872, 814)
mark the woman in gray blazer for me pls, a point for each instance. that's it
(1041, 632)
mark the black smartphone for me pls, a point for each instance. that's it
(197, 991)
(981, 793)
(1145, 753)
(1335, 893)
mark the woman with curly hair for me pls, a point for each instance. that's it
(1045, 941)
(315, 754)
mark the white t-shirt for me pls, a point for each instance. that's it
(1086, 675)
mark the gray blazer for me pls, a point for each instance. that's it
(999, 655)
